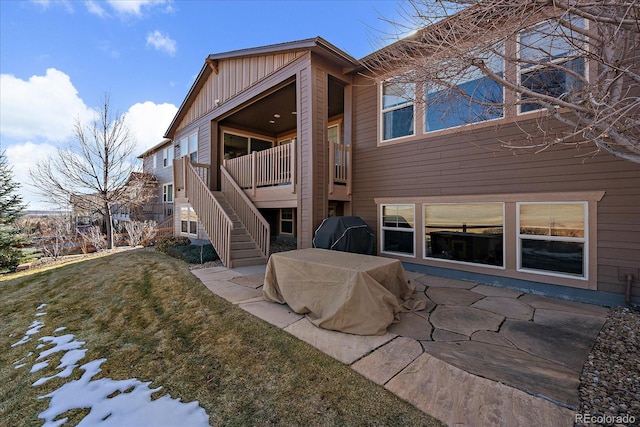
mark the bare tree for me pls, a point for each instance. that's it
(93, 169)
(573, 63)
(140, 232)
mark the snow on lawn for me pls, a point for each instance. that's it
(111, 402)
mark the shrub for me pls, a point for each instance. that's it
(167, 242)
(193, 254)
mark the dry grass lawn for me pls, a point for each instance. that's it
(153, 320)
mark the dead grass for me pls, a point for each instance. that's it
(152, 320)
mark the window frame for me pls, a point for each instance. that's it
(167, 157)
(504, 235)
(520, 70)
(501, 60)
(584, 240)
(189, 147)
(190, 222)
(396, 107)
(167, 196)
(291, 220)
(411, 230)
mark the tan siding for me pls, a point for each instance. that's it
(234, 76)
(305, 159)
(473, 162)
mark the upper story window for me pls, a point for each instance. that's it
(167, 156)
(468, 97)
(189, 147)
(550, 62)
(397, 109)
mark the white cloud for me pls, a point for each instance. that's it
(22, 157)
(42, 107)
(135, 7)
(95, 9)
(161, 42)
(148, 122)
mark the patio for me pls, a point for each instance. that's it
(477, 355)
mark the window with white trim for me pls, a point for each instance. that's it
(474, 98)
(167, 157)
(550, 62)
(398, 229)
(189, 147)
(188, 221)
(552, 238)
(287, 221)
(167, 193)
(397, 109)
(465, 232)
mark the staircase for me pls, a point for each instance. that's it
(238, 232)
(244, 250)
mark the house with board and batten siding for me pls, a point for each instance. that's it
(271, 140)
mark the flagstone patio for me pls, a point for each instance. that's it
(477, 355)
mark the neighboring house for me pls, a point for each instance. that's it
(269, 141)
(158, 162)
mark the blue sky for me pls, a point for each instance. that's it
(59, 58)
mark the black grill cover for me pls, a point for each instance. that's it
(346, 234)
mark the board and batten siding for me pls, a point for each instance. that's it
(471, 161)
(233, 77)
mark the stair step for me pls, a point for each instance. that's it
(247, 262)
(245, 253)
(240, 245)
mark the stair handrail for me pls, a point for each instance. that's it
(212, 216)
(257, 227)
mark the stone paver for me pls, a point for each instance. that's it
(384, 363)
(435, 281)
(346, 348)
(490, 337)
(494, 291)
(510, 366)
(279, 315)
(464, 320)
(508, 307)
(557, 342)
(538, 301)
(448, 336)
(453, 296)
(413, 326)
(459, 398)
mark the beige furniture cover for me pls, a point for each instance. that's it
(358, 294)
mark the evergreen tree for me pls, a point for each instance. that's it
(11, 208)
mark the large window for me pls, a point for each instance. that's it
(470, 232)
(549, 61)
(398, 229)
(475, 98)
(397, 109)
(189, 147)
(188, 220)
(552, 237)
(239, 145)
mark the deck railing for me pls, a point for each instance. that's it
(275, 166)
(339, 166)
(213, 218)
(257, 227)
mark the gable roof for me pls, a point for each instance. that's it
(317, 45)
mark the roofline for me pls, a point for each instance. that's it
(165, 141)
(316, 44)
